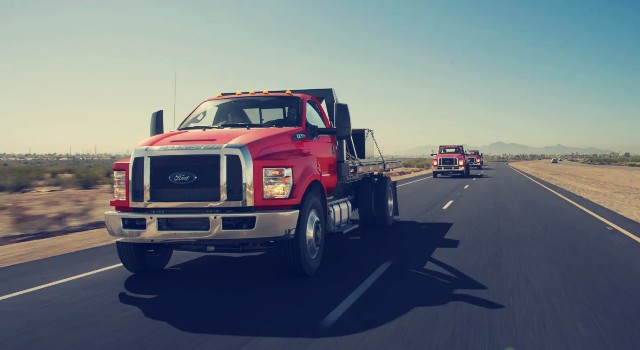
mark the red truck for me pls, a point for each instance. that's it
(450, 160)
(475, 158)
(250, 172)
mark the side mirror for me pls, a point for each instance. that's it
(312, 132)
(433, 154)
(342, 121)
(157, 126)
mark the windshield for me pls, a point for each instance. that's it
(450, 150)
(258, 111)
(474, 153)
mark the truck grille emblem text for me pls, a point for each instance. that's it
(182, 178)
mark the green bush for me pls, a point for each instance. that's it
(416, 163)
(88, 178)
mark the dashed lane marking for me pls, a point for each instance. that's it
(611, 224)
(465, 187)
(353, 297)
(408, 183)
(59, 282)
(448, 204)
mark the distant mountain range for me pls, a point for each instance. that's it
(498, 148)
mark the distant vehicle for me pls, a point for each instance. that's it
(450, 160)
(475, 158)
(554, 160)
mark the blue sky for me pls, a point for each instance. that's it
(84, 74)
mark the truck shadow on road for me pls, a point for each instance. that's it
(255, 296)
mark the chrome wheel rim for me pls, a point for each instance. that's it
(313, 234)
(389, 201)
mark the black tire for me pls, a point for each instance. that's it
(384, 202)
(301, 256)
(435, 175)
(144, 258)
(366, 211)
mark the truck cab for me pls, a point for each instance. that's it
(247, 172)
(450, 160)
(475, 158)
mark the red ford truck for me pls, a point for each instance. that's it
(250, 172)
(475, 158)
(450, 160)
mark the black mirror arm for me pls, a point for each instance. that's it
(328, 131)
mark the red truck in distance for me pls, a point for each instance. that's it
(475, 158)
(250, 172)
(450, 160)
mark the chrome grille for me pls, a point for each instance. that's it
(205, 187)
(447, 161)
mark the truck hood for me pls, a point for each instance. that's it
(238, 136)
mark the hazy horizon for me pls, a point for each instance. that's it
(441, 72)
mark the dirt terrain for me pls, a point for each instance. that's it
(51, 209)
(613, 187)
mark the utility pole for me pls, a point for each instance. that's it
(175, 92)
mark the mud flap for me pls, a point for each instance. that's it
(396, 208)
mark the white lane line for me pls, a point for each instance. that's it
(465, 187)
(448, 204)
(353, 297)
(611, 224)
(474, 179)
(408, 183)
(59, 282)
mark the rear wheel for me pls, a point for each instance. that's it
(365, 200)
(303, 253)
(142, 257)
(384, 202)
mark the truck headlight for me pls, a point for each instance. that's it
(435, 162)
(277, 182)
(460, 162)
(120, 185)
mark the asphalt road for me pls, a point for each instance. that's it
(507, 265)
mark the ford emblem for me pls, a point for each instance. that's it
(182, 178)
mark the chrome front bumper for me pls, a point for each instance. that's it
(449, 168)
(270, 224)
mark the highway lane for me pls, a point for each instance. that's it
(506, 264)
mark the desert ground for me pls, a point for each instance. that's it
(614, 187)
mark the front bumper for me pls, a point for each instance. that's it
(448, 169)
(268, 225)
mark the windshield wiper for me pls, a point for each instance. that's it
(203, 127)
(242, 125)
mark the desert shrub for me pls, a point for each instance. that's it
(417, 163)
(88, 178)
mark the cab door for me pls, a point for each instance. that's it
(323, 147)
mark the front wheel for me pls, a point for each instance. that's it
(303, 253)
(435, 175)
(142, 257)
